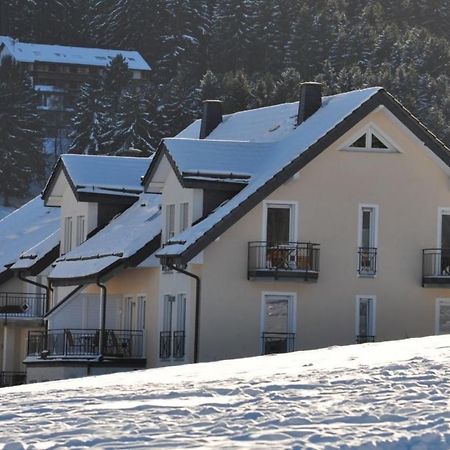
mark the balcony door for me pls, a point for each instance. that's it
(278, 323)
(367, 240)
(365, 319)
(444, 242)
(173, 330)
(135, 313)
(280, 223)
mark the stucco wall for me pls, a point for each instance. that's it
(409, 187)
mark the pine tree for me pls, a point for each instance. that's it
(88, 122)
(287, 88)
(116, 80)
(21, 155)
(132, 134)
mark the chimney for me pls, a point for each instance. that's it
(212, 116)
(310, 100)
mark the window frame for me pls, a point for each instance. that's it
(373, 319)
(439, 301)
(369, 130)
(293, 224)
(292, 313)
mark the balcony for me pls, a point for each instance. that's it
(76, 344)
(435, 266)
(8, 379)
(364, 339)
(172, 345)
(367, 261)
(277, 343)
(22, 306)
(289, 260)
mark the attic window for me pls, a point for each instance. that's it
(370, 141)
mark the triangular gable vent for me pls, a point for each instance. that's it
(370, 141)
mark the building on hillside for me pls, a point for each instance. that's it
(91, 191)
(57, 72)
(283, 228)
(29, 242)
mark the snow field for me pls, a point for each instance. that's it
(392, 395)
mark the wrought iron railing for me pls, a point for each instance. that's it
(15, 304)
(85, 343)
(367, 261)
(179, 338)
(363, 339)
(283, 259)
(277, 342)
(12, 378)
(172, 344)
(436, 263)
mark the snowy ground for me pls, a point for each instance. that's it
(388, 395)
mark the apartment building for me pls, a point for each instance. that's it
(297, 226)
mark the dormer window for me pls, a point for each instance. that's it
(370, 140)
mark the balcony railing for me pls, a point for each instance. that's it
(367, 261)
(172, 344)
(288, 260)
(363, 339)
(19, 305)
(435, 266)
(277, 343)
(85, 343)
(12, 378)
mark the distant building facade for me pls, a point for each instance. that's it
(57, 73)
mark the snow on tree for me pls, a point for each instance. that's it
(21, 154)
(131, 135)
(88, 121)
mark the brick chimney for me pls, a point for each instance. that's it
(212, 116)
(310, 100)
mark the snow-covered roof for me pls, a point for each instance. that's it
(25, 228)
(30, 53)
(269, 124)
(255, 126)
(30, 257)
(120, 240)
(99, 175)
(197, 158)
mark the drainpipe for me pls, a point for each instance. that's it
(47, 289)
(197, 306)
(102, 336)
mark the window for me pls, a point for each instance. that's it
(67, 235)
(370, 139)
(173, 328)
(443, 316)
(278, 323)
(367, 239)
(80, 237)
(170, 222)
(365, 319)
(184, 216)
(134, 317)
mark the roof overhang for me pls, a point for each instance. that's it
(112, 269)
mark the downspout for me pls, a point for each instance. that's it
(47, 289)
(102, 336)
(197, 306)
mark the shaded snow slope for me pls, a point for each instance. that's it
(5, 210)
(392, 395)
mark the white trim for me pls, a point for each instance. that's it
(373, 324)
(292, 312)
(369, 130)
(439, 301)
(294, 218)
(376, 209)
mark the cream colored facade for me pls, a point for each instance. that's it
(407, 187)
